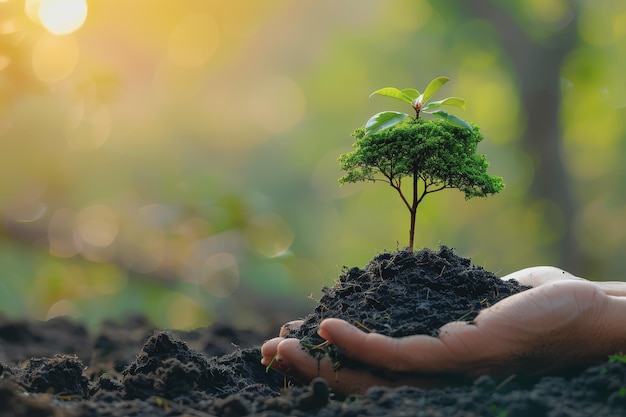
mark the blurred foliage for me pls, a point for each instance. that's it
(180, 158)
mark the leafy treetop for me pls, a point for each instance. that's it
(433, 154)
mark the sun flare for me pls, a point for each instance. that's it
(61, 17)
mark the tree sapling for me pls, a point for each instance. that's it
(435, 154)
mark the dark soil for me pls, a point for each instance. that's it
(56, 368)
(405, 293)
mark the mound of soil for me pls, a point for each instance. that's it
(56, 368)
(405, 293)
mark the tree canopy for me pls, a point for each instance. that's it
(434, 154)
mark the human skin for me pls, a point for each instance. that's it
(563, 321)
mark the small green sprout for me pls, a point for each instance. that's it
(434, 154)
(269, 365)
(615, 358)
(419, 102)
(618, 357)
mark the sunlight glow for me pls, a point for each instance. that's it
(61, 17)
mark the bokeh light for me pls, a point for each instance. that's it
(61, 234)
(183, 312)
(63, 307)
(54, 57)
(220, 274)
(97, 225)
(180, 158)
(61, 17)
(550, 15)
(270, 234)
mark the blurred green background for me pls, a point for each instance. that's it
(180, 158)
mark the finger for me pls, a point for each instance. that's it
(615, 288)
(269, 349)
(296, 361)
(419, 353)
(540, 275)
(611, 335)
(290, 327)
(542, 309)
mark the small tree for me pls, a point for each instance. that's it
(434, 154)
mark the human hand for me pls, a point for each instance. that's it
(562, 321)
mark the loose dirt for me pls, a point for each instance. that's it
(57, 368)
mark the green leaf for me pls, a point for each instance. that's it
(384, 120)
(411, 93)
(432, 88)
(452, 119)
(617, 358)
(393, 93)
(450, 101)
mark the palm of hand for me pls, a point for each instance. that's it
(559, 322)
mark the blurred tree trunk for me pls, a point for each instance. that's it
(537, 62)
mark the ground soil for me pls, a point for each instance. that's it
(57, 368)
